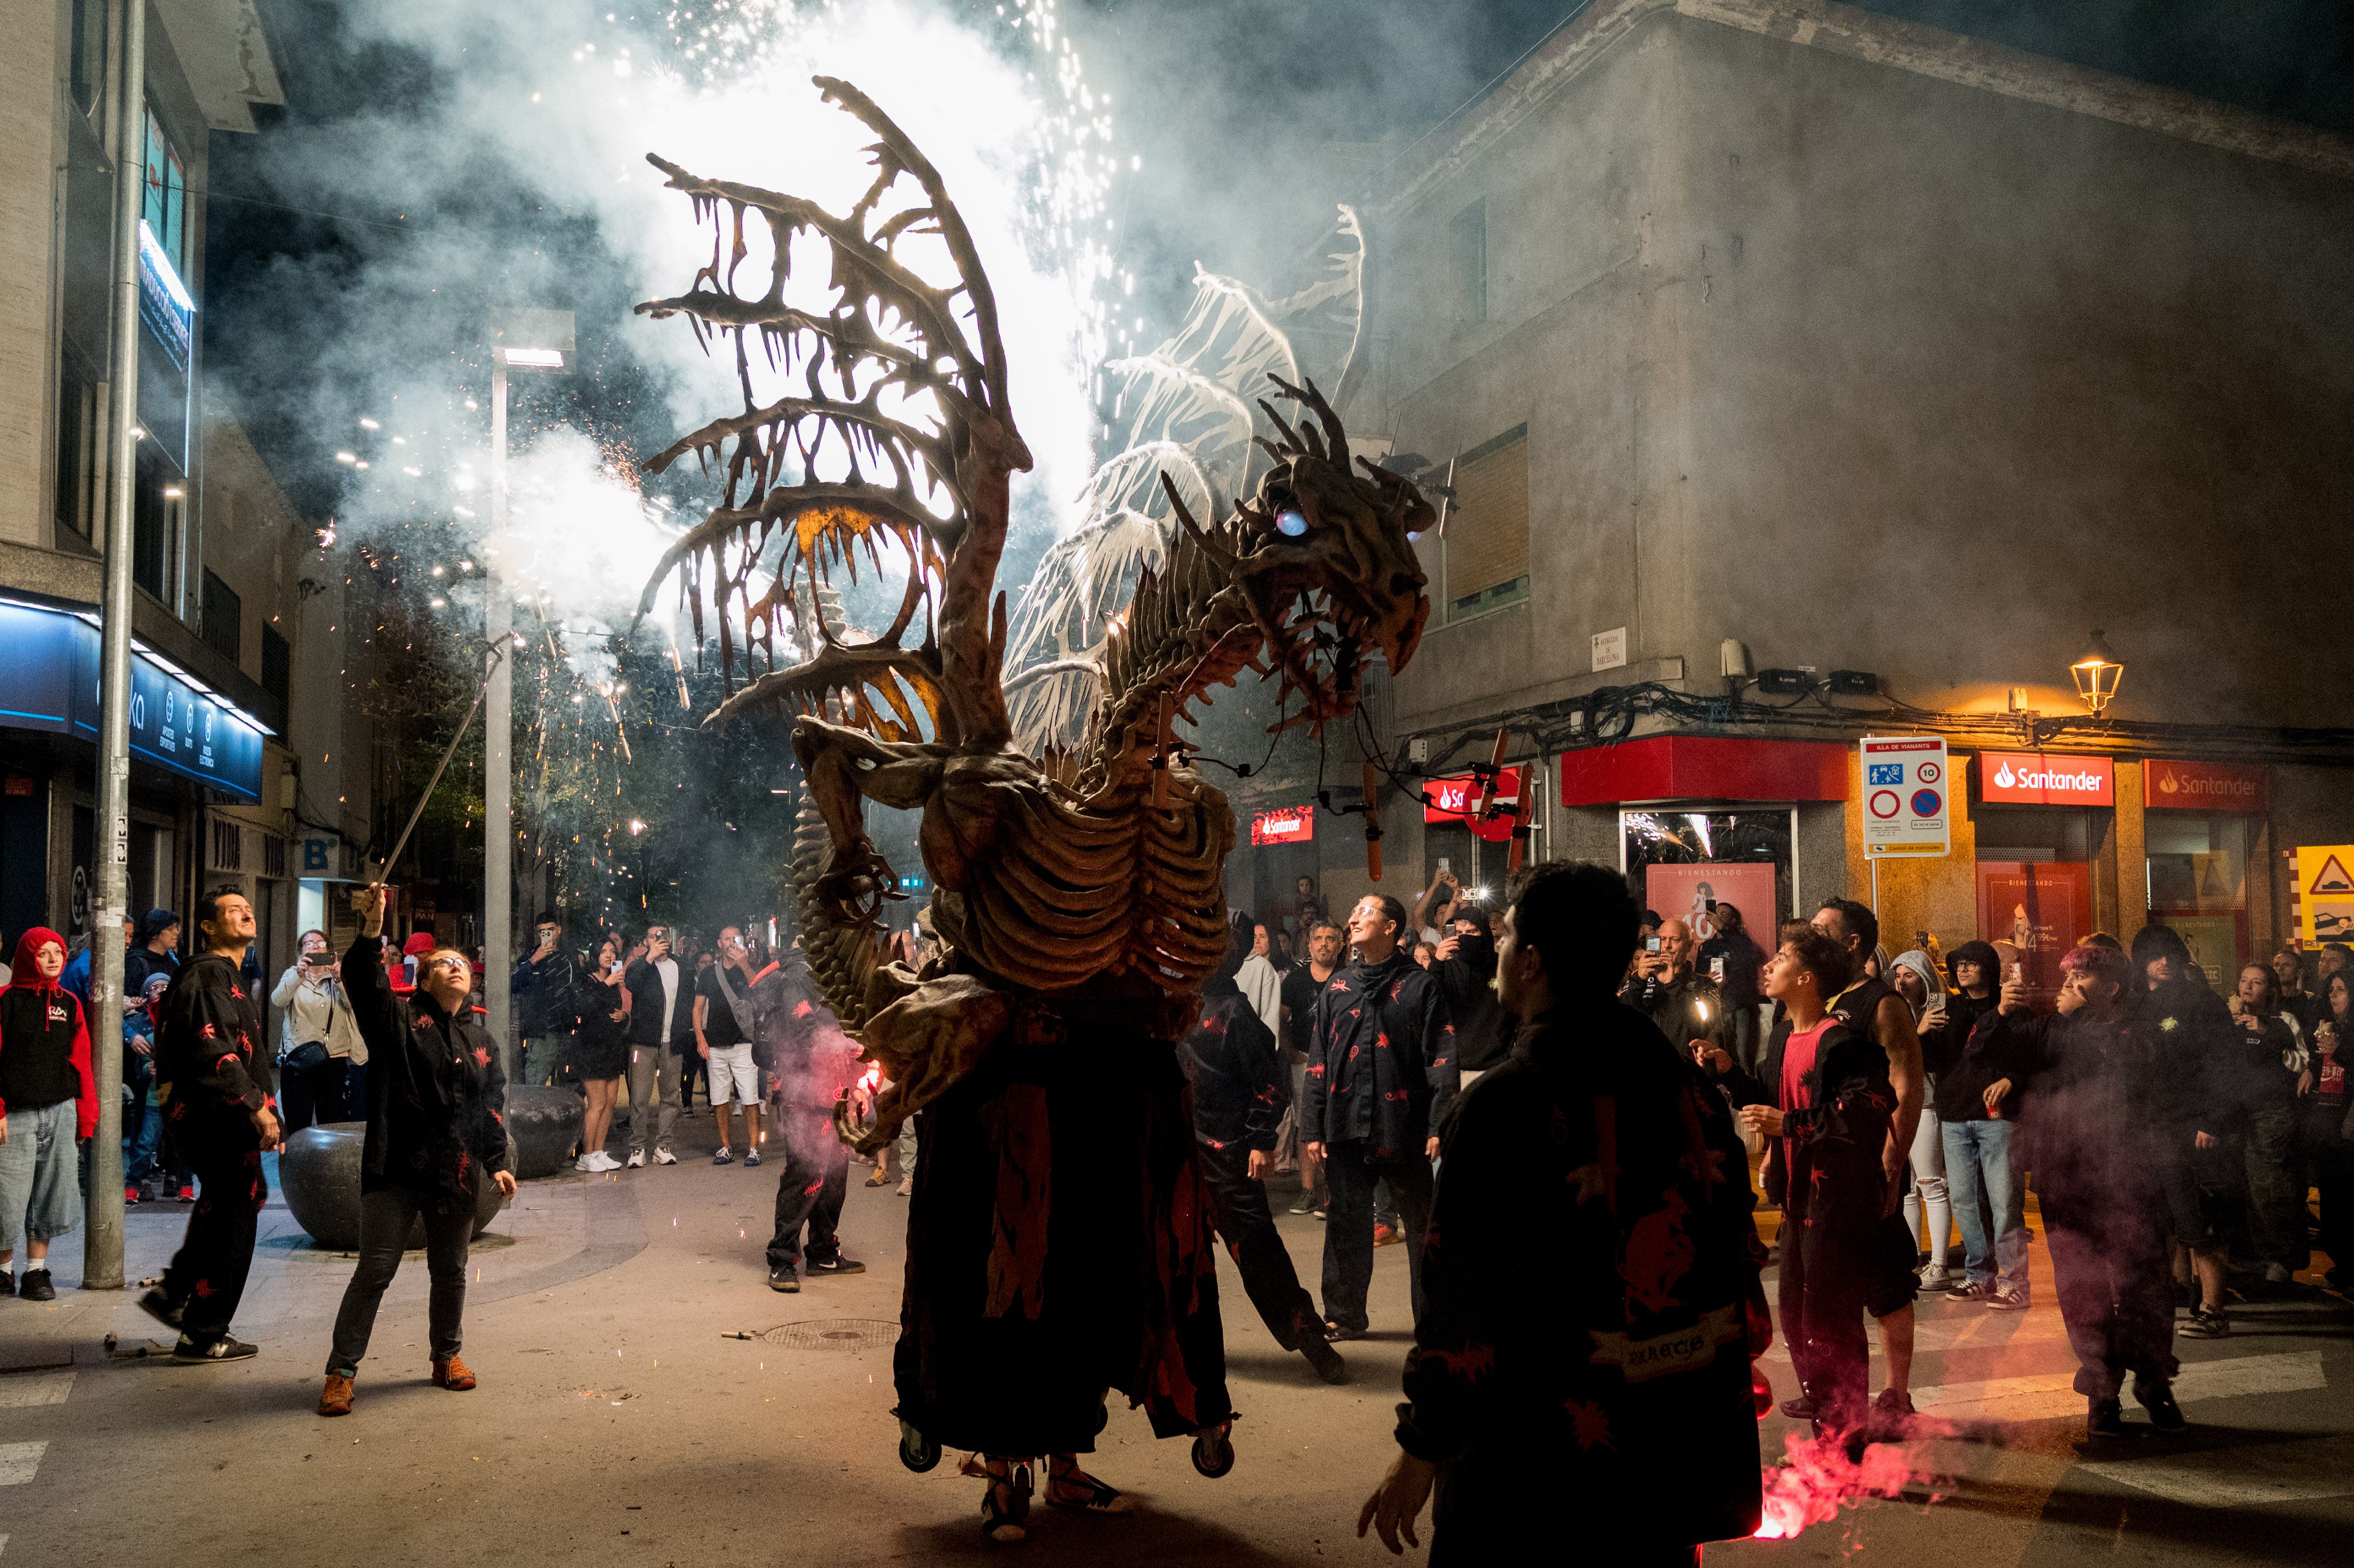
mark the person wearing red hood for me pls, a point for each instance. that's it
(412, 953)
(48, 1100)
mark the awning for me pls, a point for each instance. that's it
(1704, 767)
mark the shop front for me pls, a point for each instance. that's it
(2202, 833)
(2043, 821)
(1703, 821)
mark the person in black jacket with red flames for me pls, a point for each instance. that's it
(2091, 1091)
(223, 1118)
(1238, 1096)
(1592, 1303)
(1380, 1073)
(436, 1132)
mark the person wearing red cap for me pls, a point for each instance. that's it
(48, 1101)
(412, 955)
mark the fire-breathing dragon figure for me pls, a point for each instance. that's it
(1078, 885)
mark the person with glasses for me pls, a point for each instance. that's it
(436, 1132)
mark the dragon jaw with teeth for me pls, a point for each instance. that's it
(1096, 876)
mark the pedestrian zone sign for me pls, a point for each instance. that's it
(1907, 791)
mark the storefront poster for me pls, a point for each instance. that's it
(2034, 912)
(2215, 945)
(1684, 892)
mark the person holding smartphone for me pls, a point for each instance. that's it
(319, 1044)
(1666, 989)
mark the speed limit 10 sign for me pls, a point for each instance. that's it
(1906, 796)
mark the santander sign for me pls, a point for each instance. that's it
(2033, 779)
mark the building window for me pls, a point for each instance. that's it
(2198, 886)
(224, 617)
(156, 524)
(88, 47)
(277, 664)
(79, 441)
(1484, 546)
(1467, 237)
(166, 208)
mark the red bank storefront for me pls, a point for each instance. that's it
(1707, 819)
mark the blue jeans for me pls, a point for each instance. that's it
(143, 1124)
(1982, 1179)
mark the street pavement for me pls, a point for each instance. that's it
(621, 1420)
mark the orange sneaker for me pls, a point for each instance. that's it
(453, 1374)
(335, 1399)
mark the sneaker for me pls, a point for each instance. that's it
(188, 1353)
(1937, 1277)
(1306, 1204)
(158, 1305)
(1387, 1236)
(130, 1196)
(37, 1287)
(1978, 1290)
(664, 1156)
(336, 1398)
(2206, 1323)
(2104, 1418)
(637, 1159)
(2003, 1300)
(751, 1158)
(1339, 1331)
(585, 1163)
(723, 1157)
(837, 1264)
(1799, 1408)
(1324, 1211)
(7, 1284)
(187, 1195)
(453, 1375)
(2278, 1274)
(785, 1279)
(881, 1178)
(907, 1188)
(2156, 1396)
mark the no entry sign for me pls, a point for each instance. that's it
(1906, 795)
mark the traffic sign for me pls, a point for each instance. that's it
(1906, 812)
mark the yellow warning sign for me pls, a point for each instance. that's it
(2325, 894)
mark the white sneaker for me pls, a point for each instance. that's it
(636, 1159)
(584, 1162)
(604, 1161)
(907, 1188)
(1937, 1277)
(664, 1156)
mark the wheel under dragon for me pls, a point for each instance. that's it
(1059, 1240)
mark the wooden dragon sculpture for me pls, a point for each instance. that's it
(1095, 873)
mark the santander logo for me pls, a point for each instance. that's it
(2025, 776)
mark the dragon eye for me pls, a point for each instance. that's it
(1291, 523)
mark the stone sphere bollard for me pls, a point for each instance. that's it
(543, 1124)
(319, 1173)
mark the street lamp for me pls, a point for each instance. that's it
(522, 340)
(2097, 674)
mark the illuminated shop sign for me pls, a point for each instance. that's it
(1287, 825)
(1457, 800)
(164, 305)
(2033, 779)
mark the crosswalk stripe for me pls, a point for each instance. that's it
(2043, 1395)
(19, 1461)
(46, 1388)
(2270, 1473)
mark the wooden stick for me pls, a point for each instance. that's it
(1372, 822)
(1520, 823)
(1487, 781)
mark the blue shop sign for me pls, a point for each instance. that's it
(49, 681)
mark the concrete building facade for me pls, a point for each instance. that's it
(1775, 340)
(238, 722)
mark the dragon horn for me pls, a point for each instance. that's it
(1289, 434)
(1334, 436)
(1193, 529)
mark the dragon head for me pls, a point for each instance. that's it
(1329, 571)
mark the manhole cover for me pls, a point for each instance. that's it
(836, 1334)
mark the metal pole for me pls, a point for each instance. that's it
(498, 806)
(102, 1266)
